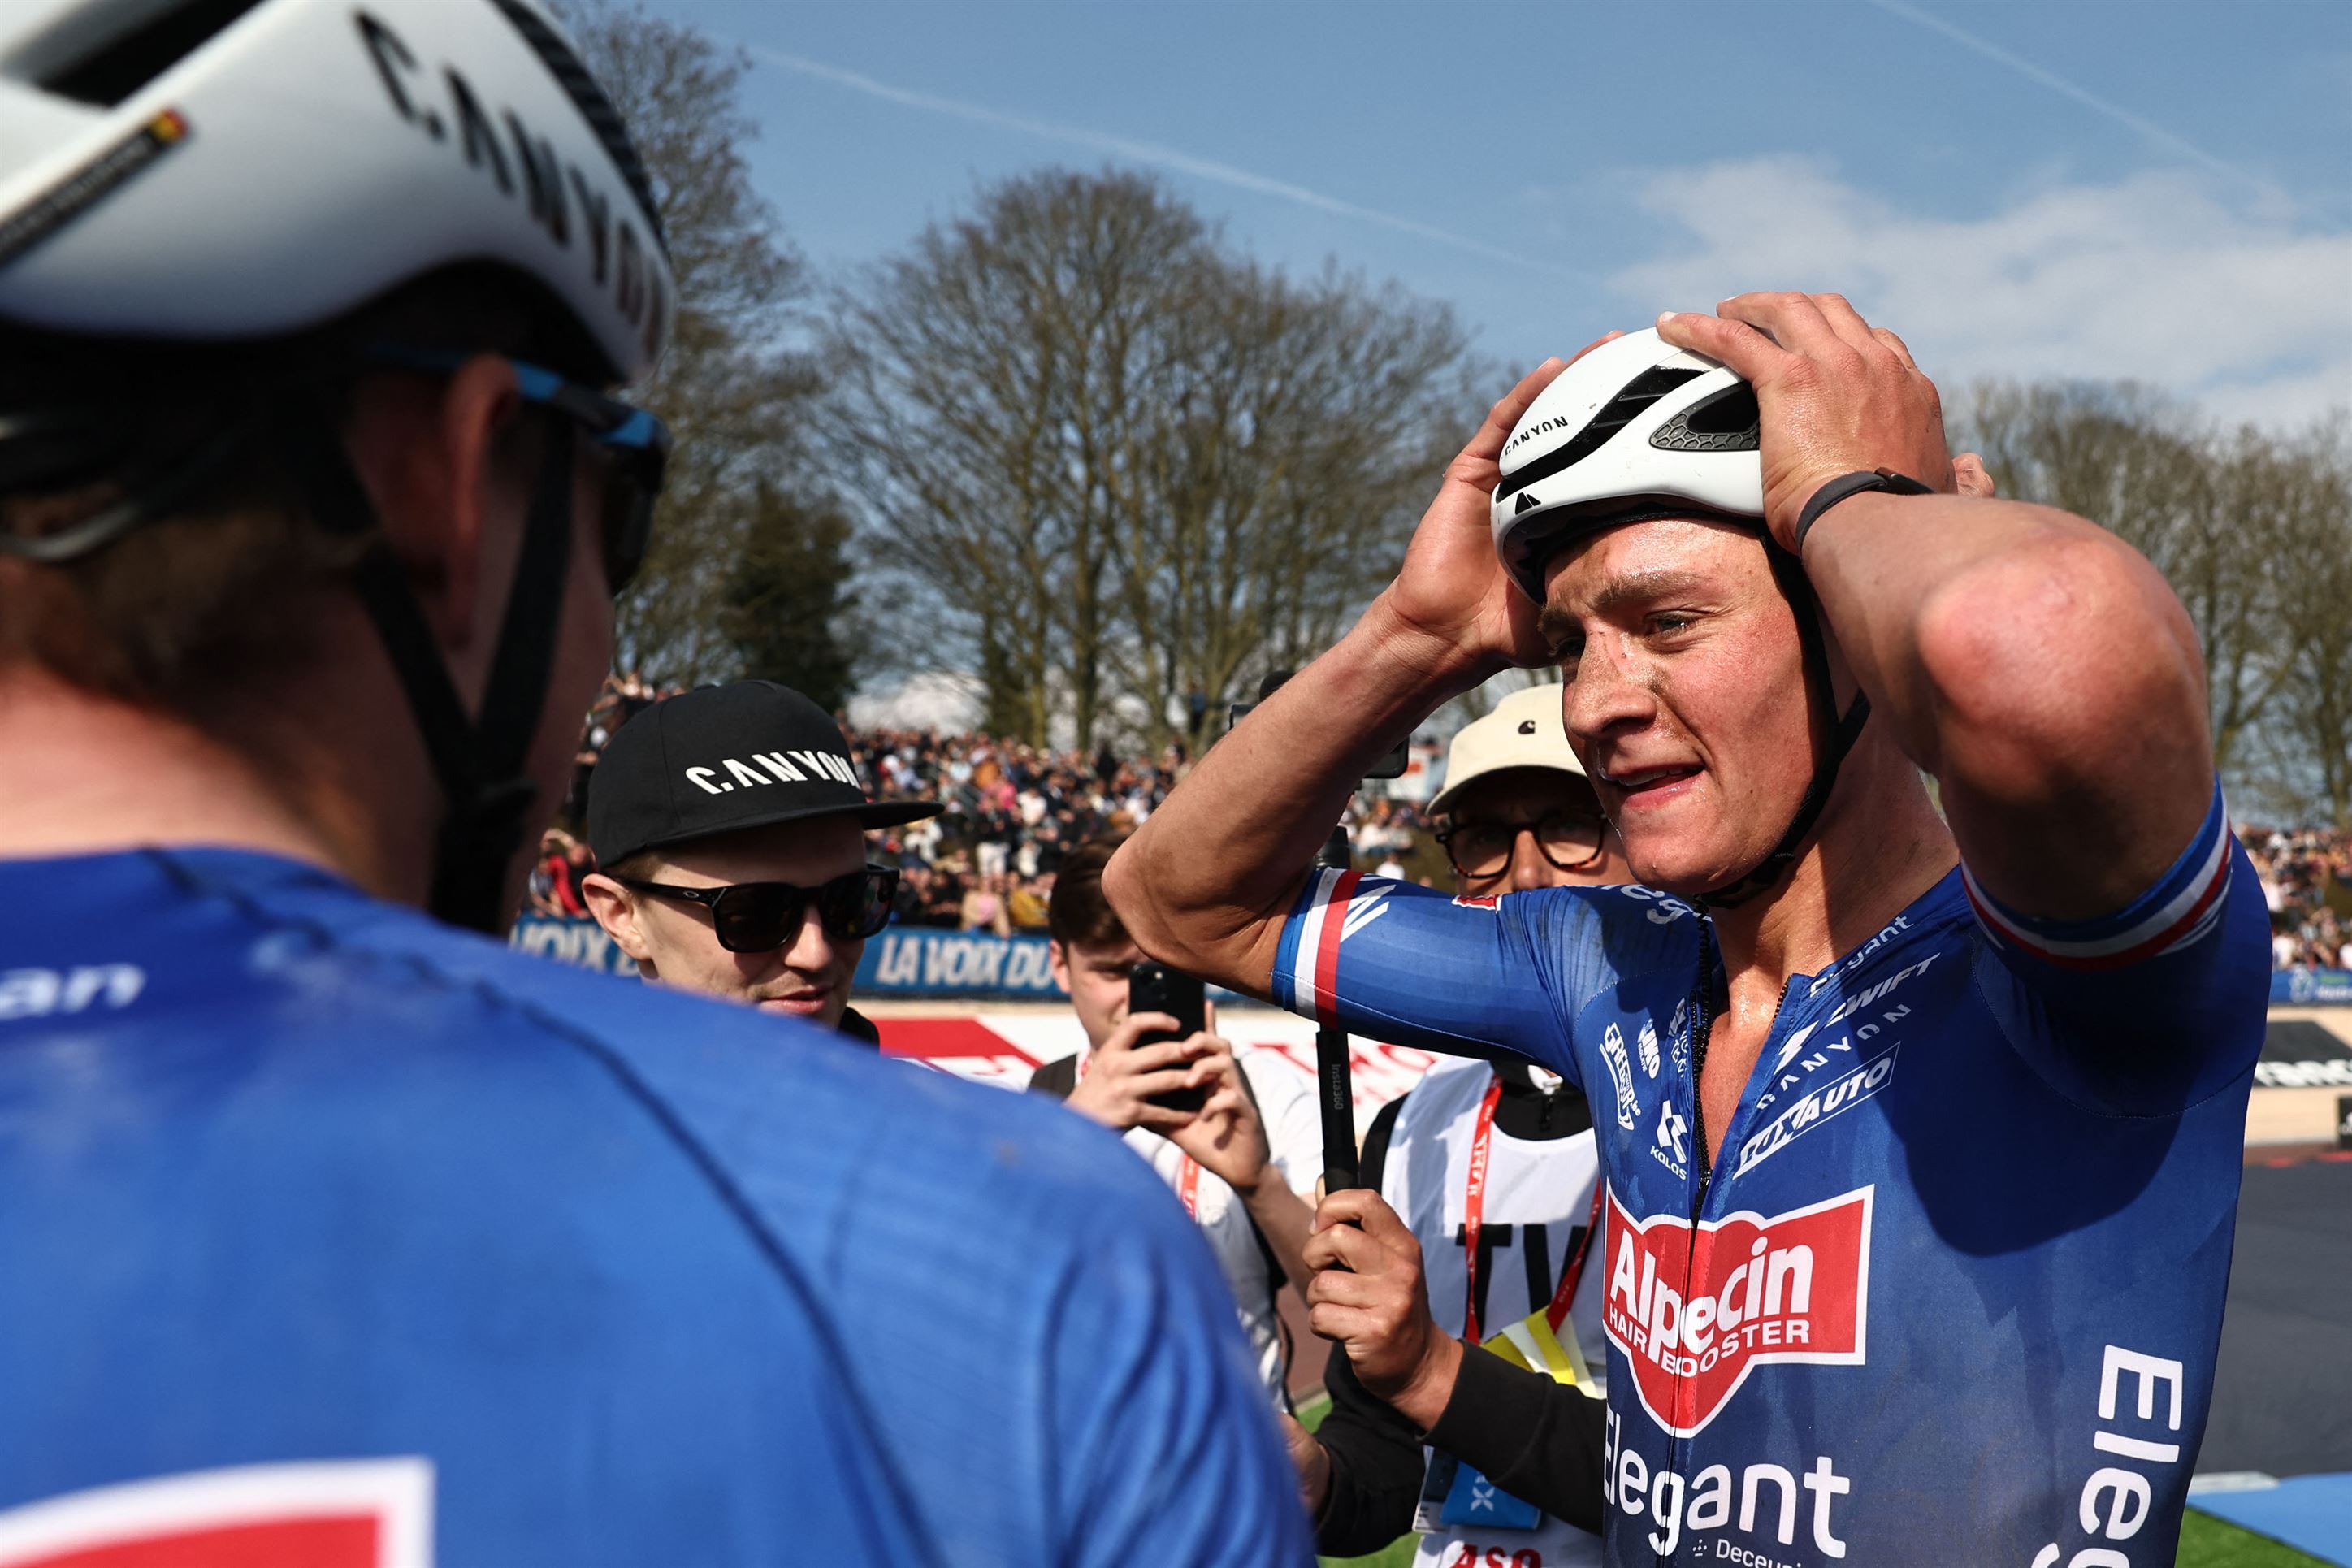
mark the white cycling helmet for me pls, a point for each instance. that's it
(1635, 430)
(228, 169)
(234, 171)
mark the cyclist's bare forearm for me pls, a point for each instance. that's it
(1206, 882)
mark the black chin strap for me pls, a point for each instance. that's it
(1767, 872)
(482, 765)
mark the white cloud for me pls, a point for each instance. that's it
(2155, 279)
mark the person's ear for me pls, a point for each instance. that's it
(1057, 963)
(616, 910)
(441, 501)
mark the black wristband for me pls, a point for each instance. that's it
(1854, 484)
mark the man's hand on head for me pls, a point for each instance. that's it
(1122, 1079)
(1836, 395)
(1451, 589)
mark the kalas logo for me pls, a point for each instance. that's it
(1695, 1309)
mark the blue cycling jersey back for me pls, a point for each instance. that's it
(334, 1237)
(1953, 1290)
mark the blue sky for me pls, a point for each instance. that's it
(2103, 188)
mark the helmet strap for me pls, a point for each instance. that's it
(481, 765)
(1768, 873)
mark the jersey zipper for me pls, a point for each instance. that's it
(1702, 1031)
(1703, 1023)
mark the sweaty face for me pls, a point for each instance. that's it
(1095, 978)
(1685, 695)
(807, 977)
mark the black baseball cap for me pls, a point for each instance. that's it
(722, 759)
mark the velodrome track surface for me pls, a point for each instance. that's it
(2282, 1392)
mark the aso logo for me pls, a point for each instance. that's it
(1696, 1307)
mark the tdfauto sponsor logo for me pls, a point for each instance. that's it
(1697, 1308)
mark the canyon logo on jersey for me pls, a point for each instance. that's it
(1696, 1307)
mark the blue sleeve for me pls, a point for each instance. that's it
(1168, 1452)
(2153, 1007)
(1412, 967)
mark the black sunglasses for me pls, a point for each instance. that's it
(1568, 840)
(636, 445)
(760, 917)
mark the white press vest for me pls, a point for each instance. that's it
(1542, 1192)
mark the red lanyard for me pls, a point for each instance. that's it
(1188, 1176)
(1473, 1216)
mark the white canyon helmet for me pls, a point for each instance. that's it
(229, 169)
(182, 172)
(1635, 430)
(1640, 431)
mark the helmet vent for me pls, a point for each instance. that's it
(1614, 416)
(1726, 422)
(108, 69)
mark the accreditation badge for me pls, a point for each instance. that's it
(1452, 1494)
(1532, 1343)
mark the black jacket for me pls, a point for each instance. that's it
(1535, 1438)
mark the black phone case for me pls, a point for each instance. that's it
(1155, 988)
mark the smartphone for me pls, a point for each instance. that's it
(1153, 987)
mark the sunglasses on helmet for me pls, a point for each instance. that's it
(635, 446)
(760, 917)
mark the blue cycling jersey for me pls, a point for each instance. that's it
(328, 1231)
(1952, 1291)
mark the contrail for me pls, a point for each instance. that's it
(1150, 153)
(2055, 83)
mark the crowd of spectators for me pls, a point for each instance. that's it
(2306, 879)
(1010, 812)
(1013, 811)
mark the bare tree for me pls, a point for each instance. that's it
(987, 379)
(2254, 531)
(735, 395)
(1130, 464)
(2313, 722)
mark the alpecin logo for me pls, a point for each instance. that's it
(1695, 1310)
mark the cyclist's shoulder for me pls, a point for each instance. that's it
(1608, 935)
(269, 958)
(799, 1118)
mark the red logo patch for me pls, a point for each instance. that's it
(335, 1513)
(1478, 901)
(1695, 1310)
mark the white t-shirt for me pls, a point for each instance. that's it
(1546, 1183)
(1294, 1136)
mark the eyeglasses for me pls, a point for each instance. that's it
(1480, 850)
(636, 445)
(760, 917)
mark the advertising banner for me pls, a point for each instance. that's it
(1005, 1048)
(919, 961)
(2311, 988)
(581, 944)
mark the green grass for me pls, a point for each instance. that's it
(2205, 1542)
